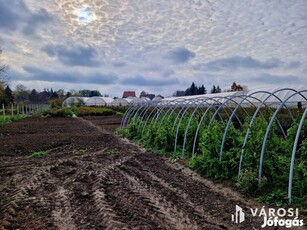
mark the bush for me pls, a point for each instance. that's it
(63, 112)
(78, 111)
(92, 111)
(248, 182)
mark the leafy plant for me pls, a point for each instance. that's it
(38, 154)
(9, 118)
(160, 136)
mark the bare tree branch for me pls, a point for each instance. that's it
(3, 69)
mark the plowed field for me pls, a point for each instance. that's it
(92, 179)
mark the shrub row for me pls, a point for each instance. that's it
(79, 111)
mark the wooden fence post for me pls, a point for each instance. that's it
(3, 111)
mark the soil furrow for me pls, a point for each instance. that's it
(93, 179)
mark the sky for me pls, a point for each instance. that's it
(154, 45)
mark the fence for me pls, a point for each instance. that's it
(21, 109)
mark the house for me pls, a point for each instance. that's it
(129, 94)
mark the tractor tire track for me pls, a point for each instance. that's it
(93, 179)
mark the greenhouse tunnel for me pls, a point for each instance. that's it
(259, 118)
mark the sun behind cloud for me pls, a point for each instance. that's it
(83, 21)
(85, 14)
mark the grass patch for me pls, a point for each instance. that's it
(9, 118)
(38, 154)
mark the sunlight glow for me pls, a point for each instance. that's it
(85, 15)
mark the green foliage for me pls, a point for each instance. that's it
(56, 103)
(248, 182)
(62, 112)
(210, 145)
(78, 111)
(38, 154)
(277, 197)
(92, 111)
(131, 131)
(9, 118)
(160, 136)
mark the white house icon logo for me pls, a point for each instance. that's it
(239, 216)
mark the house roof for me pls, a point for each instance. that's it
(129, 94)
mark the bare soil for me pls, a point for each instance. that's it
(93, 179)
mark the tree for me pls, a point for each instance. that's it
(84, 93)
(34, 96)
(213, 90)
(73, 93)
(68, 94)
(218, 89)
(3, 69)
(3, 80)
(61, 93)
(236, 87)
(9, 95)
(202, 90)
(143, 93)
(89, 93)
(21, 93)
(54, 95)
(95, 93)
(192, 90)
(2, 95)
(44, 96)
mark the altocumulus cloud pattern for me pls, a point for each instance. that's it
(155, 43)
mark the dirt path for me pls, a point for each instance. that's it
(92, 179)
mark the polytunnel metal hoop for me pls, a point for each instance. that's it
(201, 120)
(205, 100)
(245, 97)
(268, 130)
(293, 155)
(188, 125)
(254, 117)
(143, 115)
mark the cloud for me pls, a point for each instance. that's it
(158, 40)
(41, 17)
(294, 65)
(73, 56)
(266, 78)
(17, 15)
(119, 64)
(180, 55)
(237, 62)
(142, 81)
(36, 74)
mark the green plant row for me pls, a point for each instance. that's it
(9, 118)
(79, 111)
(160, 136)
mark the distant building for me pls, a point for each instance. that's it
(129, 94)
(144, 94)
(150, 96)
